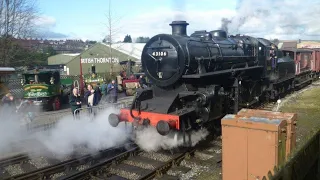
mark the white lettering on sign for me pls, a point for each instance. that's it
(99, 60)
(37, 94)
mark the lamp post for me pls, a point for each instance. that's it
(81, 78)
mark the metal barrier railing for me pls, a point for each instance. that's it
(93, 110)
(52, 120)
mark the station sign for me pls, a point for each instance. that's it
(99, 60)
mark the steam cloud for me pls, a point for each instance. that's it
(96, 134)
(179, 6)
(149, 139)
(290, 19)
(224, 24)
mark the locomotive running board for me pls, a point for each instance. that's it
(223, 72)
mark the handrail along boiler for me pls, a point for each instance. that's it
(199, 78)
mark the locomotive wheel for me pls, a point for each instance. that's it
(56, 105)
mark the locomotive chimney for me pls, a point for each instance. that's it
(179, 28)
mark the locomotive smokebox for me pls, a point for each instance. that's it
(179, 28)
(219, 33)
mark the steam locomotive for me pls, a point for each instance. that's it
(199, 78)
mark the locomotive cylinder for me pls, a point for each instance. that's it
(179, 28)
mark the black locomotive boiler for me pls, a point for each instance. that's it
(199, 78)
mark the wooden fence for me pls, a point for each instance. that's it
(303, 165)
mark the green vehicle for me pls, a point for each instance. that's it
(44, 88)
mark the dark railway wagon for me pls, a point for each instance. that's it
(305, 60)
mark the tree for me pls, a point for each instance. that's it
(127, 39)
(112, 22)
(26, 57)
(275, 41)
(142, 39)
(16, 20)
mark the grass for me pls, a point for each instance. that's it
(307, 107)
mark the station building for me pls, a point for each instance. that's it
(99, 58)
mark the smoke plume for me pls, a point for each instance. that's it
(224, 24)
(149, 139)
(68, 133)
(272, 19)
(179, 7)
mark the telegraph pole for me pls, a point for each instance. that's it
(81, 78)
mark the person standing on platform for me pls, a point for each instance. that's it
(112, 92)
(104, 90)
(75, 103)
(98, 92)
(91, 98)
(8, 105)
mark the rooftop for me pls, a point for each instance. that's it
(6, 69)
(132, 49)
(72, 54)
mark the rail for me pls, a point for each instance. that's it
(303, 165)
(100, 169)
(13, 159)
(69, 166)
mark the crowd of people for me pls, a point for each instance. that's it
(106, 93)
(101, 93)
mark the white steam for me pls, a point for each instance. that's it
(149, 139)
(276, 19)
(95, 133)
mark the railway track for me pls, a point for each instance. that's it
(139, 165)
(24, 167)
(132, 164)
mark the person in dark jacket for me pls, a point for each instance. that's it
(8, 105)
(143, 82)
(112, 92)
(91, 97)
(98, 92)
(75, 102)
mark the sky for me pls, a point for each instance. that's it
(84, 19)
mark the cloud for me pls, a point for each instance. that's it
(45, 21)
(51, 35)
(283, 19)
(157, 21)
(44, 25)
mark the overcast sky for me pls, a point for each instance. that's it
(84, 19)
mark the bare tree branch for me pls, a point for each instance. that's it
(17, 19)
(114, 27)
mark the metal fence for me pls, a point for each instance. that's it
(303, 165)
(95, 110)
(47, 121)
(15, 87)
